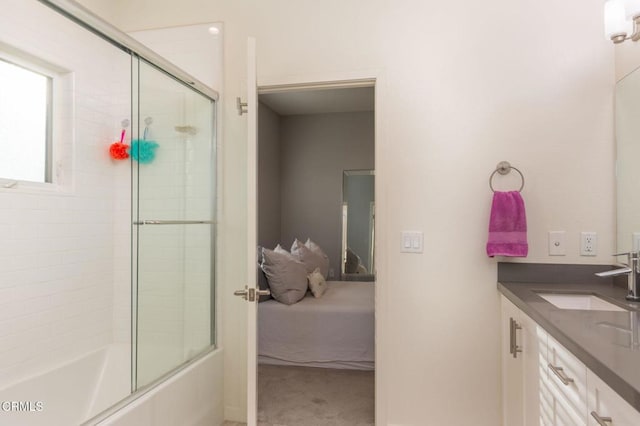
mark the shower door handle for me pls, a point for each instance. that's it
(249, 294)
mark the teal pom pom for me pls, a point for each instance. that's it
(143, 151)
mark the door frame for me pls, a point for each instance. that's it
(375, 78)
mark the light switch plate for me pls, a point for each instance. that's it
(557, 245)
(411, 242)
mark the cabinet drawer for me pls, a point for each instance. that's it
(567, 414)
(556, 410)
(604, 402)
(568, 377)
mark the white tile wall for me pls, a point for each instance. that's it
(64, 257)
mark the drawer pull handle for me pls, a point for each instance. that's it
(559, 372)
(513, 343)
(602, 421)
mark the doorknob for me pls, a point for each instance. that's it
(259, 292)
(250, 294)
(242, 293)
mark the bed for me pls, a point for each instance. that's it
(333, 331)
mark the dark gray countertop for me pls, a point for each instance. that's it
(595, 337)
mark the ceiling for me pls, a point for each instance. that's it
(320, 100)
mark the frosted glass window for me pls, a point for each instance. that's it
(25, 117)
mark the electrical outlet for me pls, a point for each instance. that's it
(588, 244)
(557, 243)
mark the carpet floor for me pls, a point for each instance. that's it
(302, 396)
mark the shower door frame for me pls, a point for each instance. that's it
(88, 20)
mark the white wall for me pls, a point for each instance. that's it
(64, 248)
(315, 150)
(461, 87)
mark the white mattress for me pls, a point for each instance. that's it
(334, 331)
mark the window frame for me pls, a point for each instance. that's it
(57, 79)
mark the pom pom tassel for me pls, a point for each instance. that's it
(143, 151)
(119, 150)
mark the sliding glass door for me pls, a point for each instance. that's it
(174, 222)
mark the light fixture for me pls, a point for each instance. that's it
(622, 20)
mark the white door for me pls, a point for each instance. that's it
(252, 291)
(252, 231)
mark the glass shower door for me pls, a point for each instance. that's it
(174, 231)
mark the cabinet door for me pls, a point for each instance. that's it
(604, 403)
(547, 405)
(531, 371)
(520, 373)
(512, 369)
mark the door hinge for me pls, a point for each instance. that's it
(243, 107)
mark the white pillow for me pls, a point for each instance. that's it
(317, 284)
(281, 250)
(311, 259)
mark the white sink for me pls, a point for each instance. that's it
(585, 302)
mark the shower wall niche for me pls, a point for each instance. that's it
(107, 271)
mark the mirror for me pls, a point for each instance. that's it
(627, 127)
(358, 225)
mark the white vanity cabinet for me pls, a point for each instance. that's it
(606, 407)
(545, 384)
(520, 367)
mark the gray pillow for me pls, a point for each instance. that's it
(324, 268)
(310, 258)
(287, 276)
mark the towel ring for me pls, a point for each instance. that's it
(503, 168)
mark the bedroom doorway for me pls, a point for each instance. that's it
(315, 173)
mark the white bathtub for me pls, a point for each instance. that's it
(193, 396)
(79, 390)
(71, 393)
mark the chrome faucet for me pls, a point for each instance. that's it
(632, 269)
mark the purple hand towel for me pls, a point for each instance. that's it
(507, 226)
